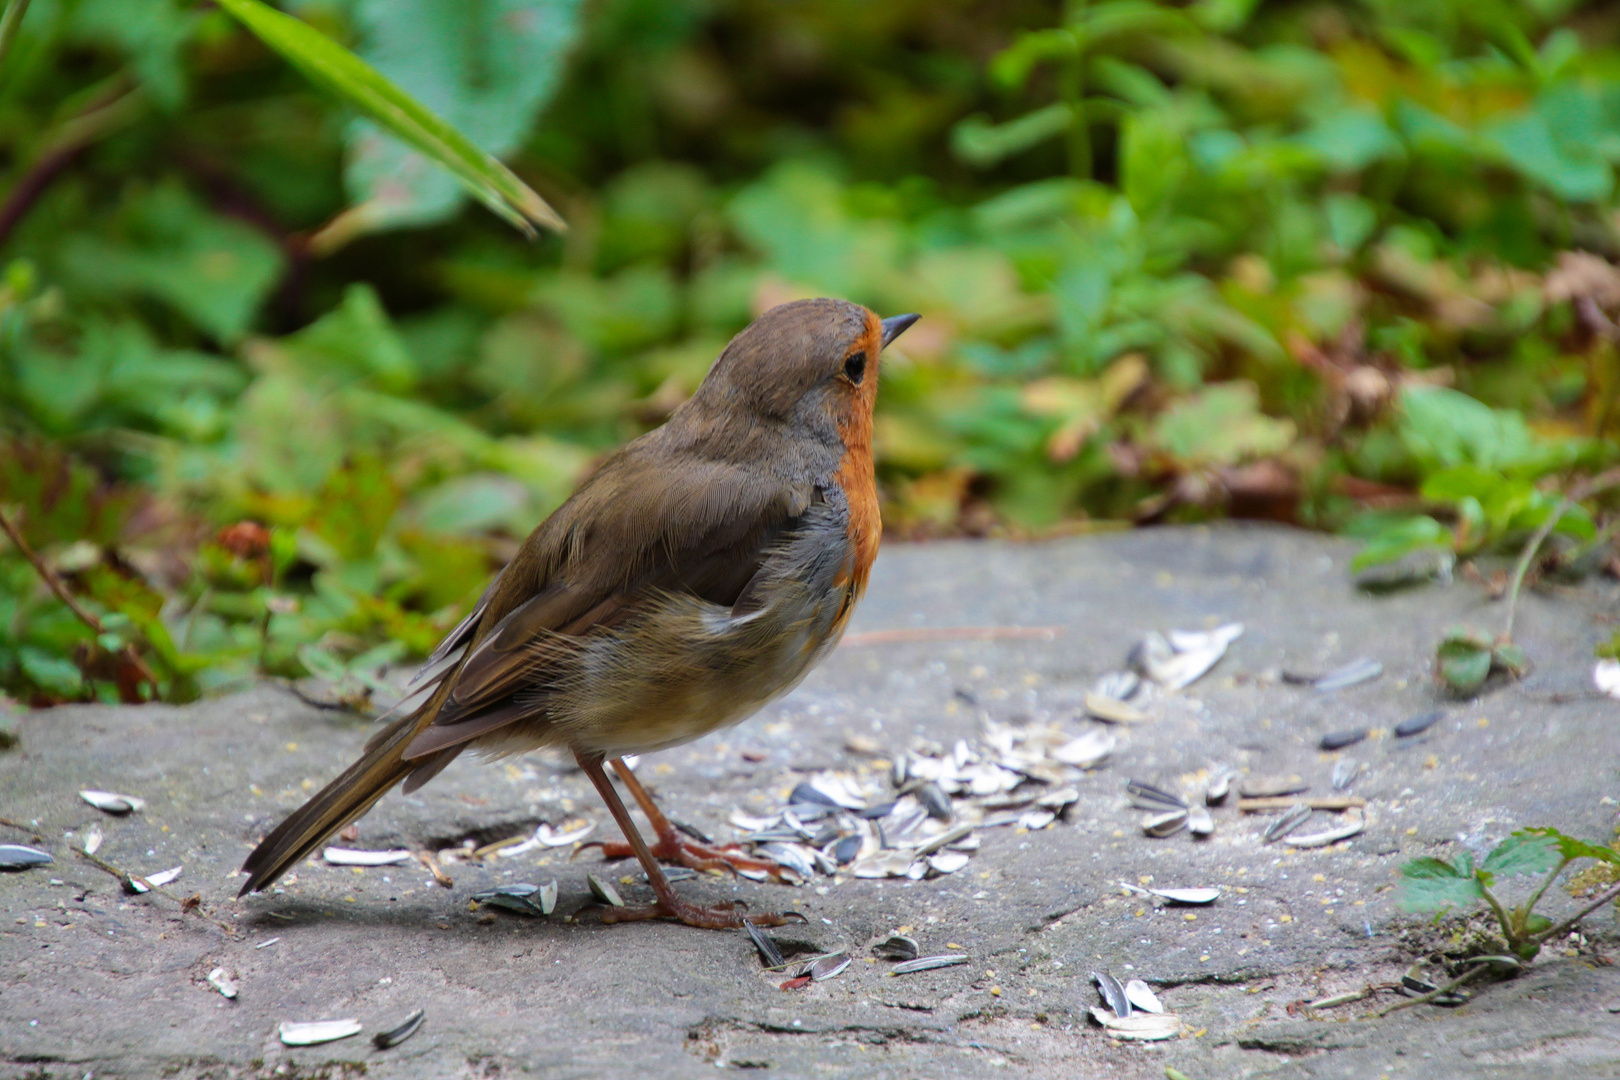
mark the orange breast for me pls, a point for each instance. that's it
(855, 470)
(865, 522)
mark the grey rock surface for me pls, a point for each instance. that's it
(93, 980)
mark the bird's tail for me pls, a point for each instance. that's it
(343, 800)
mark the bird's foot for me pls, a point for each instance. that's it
(684, 851)
(729, 916)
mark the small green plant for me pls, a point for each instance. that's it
(1430, 884)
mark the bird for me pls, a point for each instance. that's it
(698, 573)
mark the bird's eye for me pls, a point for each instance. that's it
(855, 367)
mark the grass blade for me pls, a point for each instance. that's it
(337, 69)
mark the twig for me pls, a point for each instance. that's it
(124, 875)
(1569, 923)
(8, 27)
(1579, 492)
(1282, 802)
(952, 633)
(104, 114)
(29, 829)
(1466, 977)
(54, 583)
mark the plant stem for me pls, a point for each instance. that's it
(125, 875)
(1466, 977)
(1535, 897)
(8, 26)
(1569, 923)
(54, 583)
(1586, 490)
(1501, 916)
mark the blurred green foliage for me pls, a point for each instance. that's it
(274, 397)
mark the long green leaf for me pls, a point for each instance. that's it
(329, 64)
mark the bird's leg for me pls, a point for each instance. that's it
(676, 847)
(669, 905)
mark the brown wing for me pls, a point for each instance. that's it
(639, 528)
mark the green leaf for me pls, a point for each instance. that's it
(214, 270)
(1465, 662)
(1435, 885)
(979, 142)
(1398, 539)
(1522, 853)
(1571, 848)
(53, 674)
(485, 68)
(330, 65)
(1221, 425)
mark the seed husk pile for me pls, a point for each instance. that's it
(1132, 1011)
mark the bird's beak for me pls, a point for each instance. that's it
(897, 325)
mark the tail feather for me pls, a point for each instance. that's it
(343, 800)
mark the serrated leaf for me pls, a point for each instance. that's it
(1522, 853)
(337, 69)
(1429, 884)
(1571, 848)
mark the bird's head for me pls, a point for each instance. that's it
(810, 361)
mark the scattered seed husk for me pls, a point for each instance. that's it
(1338, 740)
(1414, 985)
(1291, 819)
(897, 947)
(547, 897)
(222, 982)
(518, 896)
(1113, 710)
(845, 850)
(1141, 996)
(1147, 797)
(794, 857)
(315, 1032)
(1166, 824)
(927, 963)
(92, 840)
(883, 865)
(1417, 725)
(155, 881)
(354, 857)
(1143, 1027)
(1178, 895)
(1085, 751)
(1271, 787)
(562, 837)
(949, 836)
(935, 801)
(1354, 822)
(18, 857)
(1351, 674)
(881, 810)
(948, 862)
(1035, 820)
(1200, 822)
(112, 802)
(1182, 657)
(807, 794)
(1497, 960)
(604, 891)
(1345, 772)
(769, 954)
(1220, 785)
(265, 944)
(1117, 685)
(828, 967)
(387, 1040)
(1606, 677)
(750, 823)
(1112, 993)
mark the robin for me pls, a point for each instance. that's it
(700, 572)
